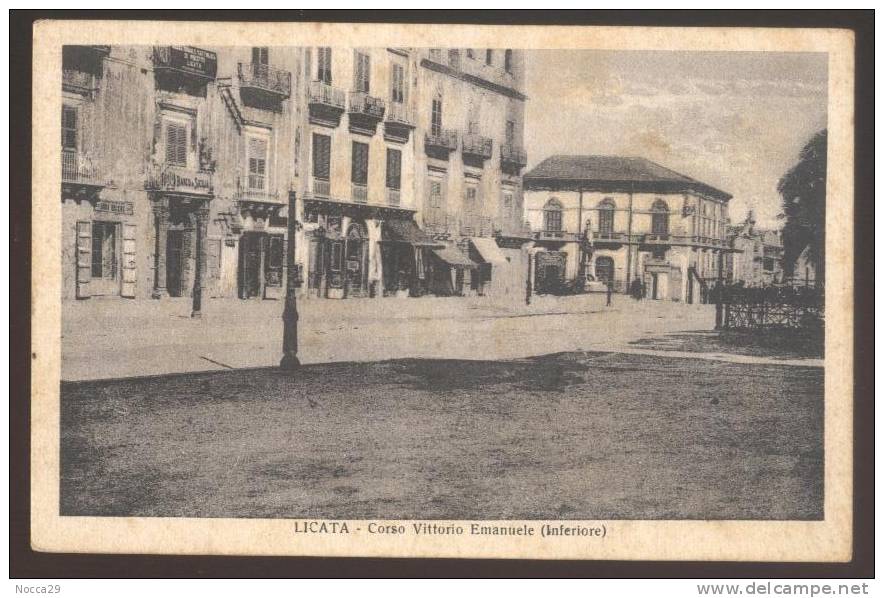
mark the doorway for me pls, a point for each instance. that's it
(250, 258)
(105, 259)
(175, 263)
(355, 261)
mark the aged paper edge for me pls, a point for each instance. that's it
(828, 540)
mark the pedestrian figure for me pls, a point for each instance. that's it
(608, 303)
(635, 289)
(644, 290)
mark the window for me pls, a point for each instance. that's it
(470, 54)
(359, 171)
(321, 156)
(508, 61)
(394, 169)
(604, 268)
(436, 54)
(660, 218)
(397, 91)
(435, 194)
(362, 73)
(260, 56)
(552, 215)
(104, 250)
(489, 56)
(257, 156)
(469, 199)
(508, 206)
(436, 117)
(323, 65)
(606, 216)
(454, 59)
(176, 144)
(69, 127)
(510, 132)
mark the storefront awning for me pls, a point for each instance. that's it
(454, 257)
(399, 230)
(488, 250)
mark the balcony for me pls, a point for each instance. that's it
(477, 226)
(365, 112)
(253, 189)
(79, 82)
(394, 197)
(87, 59)
(179, 180)
(513, 157)
(476, 147)
(263, 85)
(359, 193)
(398, 123)
(657, 239)
(79, 177)
(440, 143)
(326, 104)
(321, 187)
(184, 68)
(610, 237)
(559, 236)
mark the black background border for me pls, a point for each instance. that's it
(26, 563)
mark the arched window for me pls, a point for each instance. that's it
(604, 268)
(552, 215)
(660, 218)
(606, 216)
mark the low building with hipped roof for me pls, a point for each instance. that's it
(627, 222)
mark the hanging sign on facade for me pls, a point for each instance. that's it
(115, 207)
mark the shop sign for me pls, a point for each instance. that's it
(115, 207)
(194, 60)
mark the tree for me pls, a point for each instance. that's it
(803, 190)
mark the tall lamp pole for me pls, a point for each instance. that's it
(290, 360)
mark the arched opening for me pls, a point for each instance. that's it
(660, 218)
(604, 268)
(606, 217)
(552, 215)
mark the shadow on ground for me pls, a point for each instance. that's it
(568, 436)
(774, 344)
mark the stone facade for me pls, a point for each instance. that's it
(757, 256)
(619, 220)
(179, 162)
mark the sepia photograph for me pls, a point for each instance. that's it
(372, 288)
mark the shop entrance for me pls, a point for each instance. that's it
(175, 256)
(355, 259)
(105, 259)
(260, 264)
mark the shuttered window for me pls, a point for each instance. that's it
(260, 56)
(454, 59)
(489, 56)
(69, 127)
(436, 194)
(176, 144)
(394, 168)
(257, 163)
(362, 74)
(323, 65)
(436, 117)
(397, 91)
(321, 156)
(469, 200)
(508, 205)
(510, 132)
(359, 172)
(508, 61)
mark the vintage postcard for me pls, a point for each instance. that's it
(457, 291)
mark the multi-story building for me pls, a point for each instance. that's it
(178, 164)
(621, 220)
(757, 256)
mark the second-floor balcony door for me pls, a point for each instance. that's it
(606, 221)
(257, 164)
(362, 73)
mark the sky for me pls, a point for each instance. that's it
(734, 120)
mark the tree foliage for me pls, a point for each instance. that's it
(803, 190)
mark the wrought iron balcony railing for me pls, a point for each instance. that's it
(253, 188)
(359, 193)
(366, 105)
(513, 155)
(657, 238)
(442, 139)
(400, 114)
(477, 146)
(556, 235)
(265, 78)
(77, 168)
(477, 226)
(321, 187)
(179, 179)
(322, 94)
(77, 81)
(611, 236)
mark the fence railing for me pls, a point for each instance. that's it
(769, 306)
(266, 78)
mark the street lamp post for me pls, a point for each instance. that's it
(290, 360)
